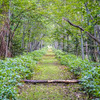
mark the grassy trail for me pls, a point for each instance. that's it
(48, 69)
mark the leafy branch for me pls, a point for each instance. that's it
(77, 26)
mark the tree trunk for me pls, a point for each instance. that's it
(67, 43)
(96, 44)
(56, 44)
(51, 81)
(63, 42)
(86, 50)
(82, 47)
(23, 36)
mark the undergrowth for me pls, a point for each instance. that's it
(88, 72)
(13, 70)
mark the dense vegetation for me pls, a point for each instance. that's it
(13, 70)
(72, 26)
(87, 72)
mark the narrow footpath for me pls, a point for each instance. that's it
(49, 68)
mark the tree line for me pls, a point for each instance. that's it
(72, 26)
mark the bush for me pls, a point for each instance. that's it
(16, 48)
(87, 72)
(13, 70)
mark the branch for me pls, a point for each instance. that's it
(25, 10)
(11, 35)
(15, 28)
(98, 41)
(51, 81)
(57, 23)
(73, 24)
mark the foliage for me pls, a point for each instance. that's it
(16, 48)
(13, 70)
(32, 24)
(87, 72)
(32, 21)
(47, 69)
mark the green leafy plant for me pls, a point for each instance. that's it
(13, 70)
(88, 72)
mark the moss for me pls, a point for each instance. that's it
(49, 69)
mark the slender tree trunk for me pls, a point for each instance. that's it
(86, 50)
(95, 44)
(82, 46)
(23, 46)
(76, 47)
(56, 44)
(30, 46)
(98, 49)
(7, 34)
(5, 30)
(7, 41)
(67, 43)
(63, 42)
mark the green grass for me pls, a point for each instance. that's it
(86, 71)
(49, 69)
(14, 70)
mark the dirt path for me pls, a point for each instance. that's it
(49, 69)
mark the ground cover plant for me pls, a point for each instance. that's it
(13, 70)
(49, 68)
(88, 72)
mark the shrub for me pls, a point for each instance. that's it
(13, 70)
(87, 72)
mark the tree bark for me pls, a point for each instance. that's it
(82, 47)
(86, 50)
(23, 37)
(51, 81)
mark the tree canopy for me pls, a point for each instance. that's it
(65, 24)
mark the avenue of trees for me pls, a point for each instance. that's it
(70, 25)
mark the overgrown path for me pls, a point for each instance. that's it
(50, 69)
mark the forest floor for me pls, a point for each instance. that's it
(49, 68)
